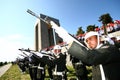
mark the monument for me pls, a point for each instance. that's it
(45, 36)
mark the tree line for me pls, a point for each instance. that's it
(104, 19)
(3, 63)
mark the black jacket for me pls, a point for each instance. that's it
(59, 61)
(107, 55)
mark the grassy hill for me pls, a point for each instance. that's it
(14, 73)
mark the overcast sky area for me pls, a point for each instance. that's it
(17, 26)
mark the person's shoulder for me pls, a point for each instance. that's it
(105, 46)
(108, 46)
(62, 54)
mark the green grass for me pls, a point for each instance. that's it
(15, 74)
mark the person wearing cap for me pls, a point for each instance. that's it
(36, 68)
(57, 62)
(104, 57)
(81, 71)
(116, 41)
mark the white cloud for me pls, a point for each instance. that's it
(9, 46)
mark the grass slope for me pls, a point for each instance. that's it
(14, 74)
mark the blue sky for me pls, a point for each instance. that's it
(17, 26)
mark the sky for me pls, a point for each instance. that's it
(17, 26)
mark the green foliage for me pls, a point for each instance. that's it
(80, 31)
(91, 28)
(105, 19)
(2, 63)
(89, 68)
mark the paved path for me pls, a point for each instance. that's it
(4, 68)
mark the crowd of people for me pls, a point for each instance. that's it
(102, 55)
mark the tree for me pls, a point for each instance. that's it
(91, 28)
(80, 31)
(105, 19)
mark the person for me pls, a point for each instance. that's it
(57, 62)
(116, 41)
(80, 69)
(49, 67)
(105, 58)
(107, 39)
(36, 68)
(21, 64)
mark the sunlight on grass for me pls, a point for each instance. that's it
(14, 74)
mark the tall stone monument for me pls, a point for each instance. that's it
(44, 34)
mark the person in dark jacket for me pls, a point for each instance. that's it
(80, 69)
(21, 64)
(57, 62)
(36, 68)
(105, 58)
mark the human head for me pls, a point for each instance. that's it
(57, 49)
(92, 40)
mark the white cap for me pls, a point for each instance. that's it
(118, 38)
(57, 47)
(91, 33)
